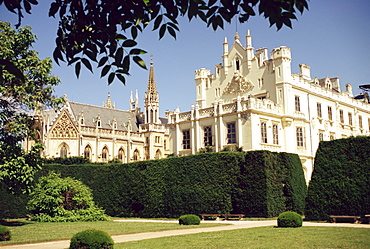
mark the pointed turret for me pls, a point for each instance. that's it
(151, 99)
(108, 103)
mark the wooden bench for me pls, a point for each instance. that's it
(225, 216)
(238, 216)
(203, 216)
(353, 218)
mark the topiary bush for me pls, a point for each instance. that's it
(289, 219)
(4, 233)
(91, 239)
(189, 219)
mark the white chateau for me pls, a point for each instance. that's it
(252, 101)
(104, 133)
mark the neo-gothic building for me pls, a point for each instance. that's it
(254, 101)
(104, 133)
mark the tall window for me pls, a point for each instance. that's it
(136, 155)
(341, 116)
(104, 154)
(300, 137)
(121, 155)
(263, 132)
(321, 136)
(231, 133)
(186, 139)
(158, 154)
(350, 119)
(330, 113)
(63, 151)
(208, 136)
(360, 121)
(87, 152)
(319, 113)
(297, 104)
(275, 134)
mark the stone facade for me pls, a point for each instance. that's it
(104, 133)
(255, 102)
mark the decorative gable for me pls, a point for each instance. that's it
(238, 85)
(64, 127)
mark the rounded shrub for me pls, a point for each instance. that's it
(189, 219)
(289, 219)
(4, 233)
(92, 239)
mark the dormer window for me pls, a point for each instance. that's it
(98, 123)
(82, 121)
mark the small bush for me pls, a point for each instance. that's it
(4, 233)
(289, 219)
(189, 219)
(92, 239)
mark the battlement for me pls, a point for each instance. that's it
(281, 52)
(202, 73)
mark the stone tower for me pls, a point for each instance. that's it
(151, 99)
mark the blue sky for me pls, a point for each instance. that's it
(333, 38)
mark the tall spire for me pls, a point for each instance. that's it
(152, 88)
(151, 99)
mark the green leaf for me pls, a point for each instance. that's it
(135, 51)
(111, 78)
(126, 63)
(133, 32)
(78, 69)
(54, 7)
(139, 62)
(157, 22)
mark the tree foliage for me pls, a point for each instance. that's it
(103, 32)
(19, 96)
(63, 199)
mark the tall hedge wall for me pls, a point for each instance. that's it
(340, 183)
(258, 183)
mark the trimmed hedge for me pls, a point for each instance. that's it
(340, 183)
(257, 183)
(92, 239)
(289, 219)
(189, 219)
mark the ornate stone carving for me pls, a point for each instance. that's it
(238, 84)
(64, 128)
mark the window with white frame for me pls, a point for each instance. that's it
(275, 134)
(263, 132)
(330, 113)
(231, 133)
(319, 112)
(208, 136)
(300, 136)
(341, 116)
(350, 121)
(297, 103)
(186, 139)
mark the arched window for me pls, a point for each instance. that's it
(158, 154)
(104, 154)
(136, 155)
(237, 64)
(63, 151)
(121, 155)
(87, 152)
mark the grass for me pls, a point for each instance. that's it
(28, 232)
(263, 237)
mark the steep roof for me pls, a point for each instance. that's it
(107, 115)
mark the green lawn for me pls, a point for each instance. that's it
(263, 237)
(27, 232)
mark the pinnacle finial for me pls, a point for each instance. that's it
(236, 37)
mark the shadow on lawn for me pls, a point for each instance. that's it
(14, 223)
